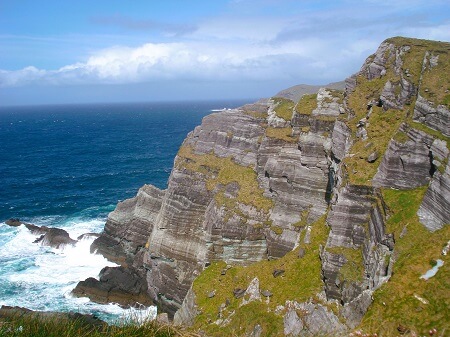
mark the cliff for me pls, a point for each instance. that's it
(307, 217)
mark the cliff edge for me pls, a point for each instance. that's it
(307, 217)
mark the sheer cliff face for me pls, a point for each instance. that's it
(249, 184)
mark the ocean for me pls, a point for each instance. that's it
(67, 166)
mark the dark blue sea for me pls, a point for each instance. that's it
(67, 166)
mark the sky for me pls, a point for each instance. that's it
(56, 52)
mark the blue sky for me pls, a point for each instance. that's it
(118, 51)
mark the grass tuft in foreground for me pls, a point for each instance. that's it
(33, 325)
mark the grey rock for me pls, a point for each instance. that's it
(293, 325)
(318, 320)
(55, 237)
(252, 292)
(356, 220)
(239, 292)
(163, 318)
(327, 105)
(373, 156)
(406, 165)
(434, 211)
(266, 293)
(355, 310)
(301, 253)
(129, 226)
(341, 140)
(436, 117)
(185, 316)
(257, 331)
(211, 294)
(278, 272)
(14, 222)
(116, 284)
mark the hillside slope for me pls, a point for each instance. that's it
(306, 218)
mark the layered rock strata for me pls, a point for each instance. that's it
(248, 182)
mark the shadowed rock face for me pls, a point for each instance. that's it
(129, 226)
(116, 284)
(434, 212)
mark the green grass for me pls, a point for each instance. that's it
(35, 326)
(281, 133)
(396, 301)
(300, 282)
(223, 171)
(306, 104)
(383, 125)
(284, 108)
(353, 269)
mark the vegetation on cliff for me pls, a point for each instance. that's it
(407, 299)
(301, 281)
(324, 196)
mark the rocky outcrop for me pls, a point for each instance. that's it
(354, 258)
(436, 117)
(314, 320)
(406, 164)
(55, 237)
(49, 236)
(115, 285)
(129, 226)
(434, 212)
(188, 311)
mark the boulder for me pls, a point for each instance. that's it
(14, 222)
(56, 238)
(115, 285)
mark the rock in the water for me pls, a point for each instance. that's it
(55, 237)
(13, 222)
(116, 284)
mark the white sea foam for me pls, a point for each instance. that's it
(42, 278)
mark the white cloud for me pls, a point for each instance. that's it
(321, 45)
